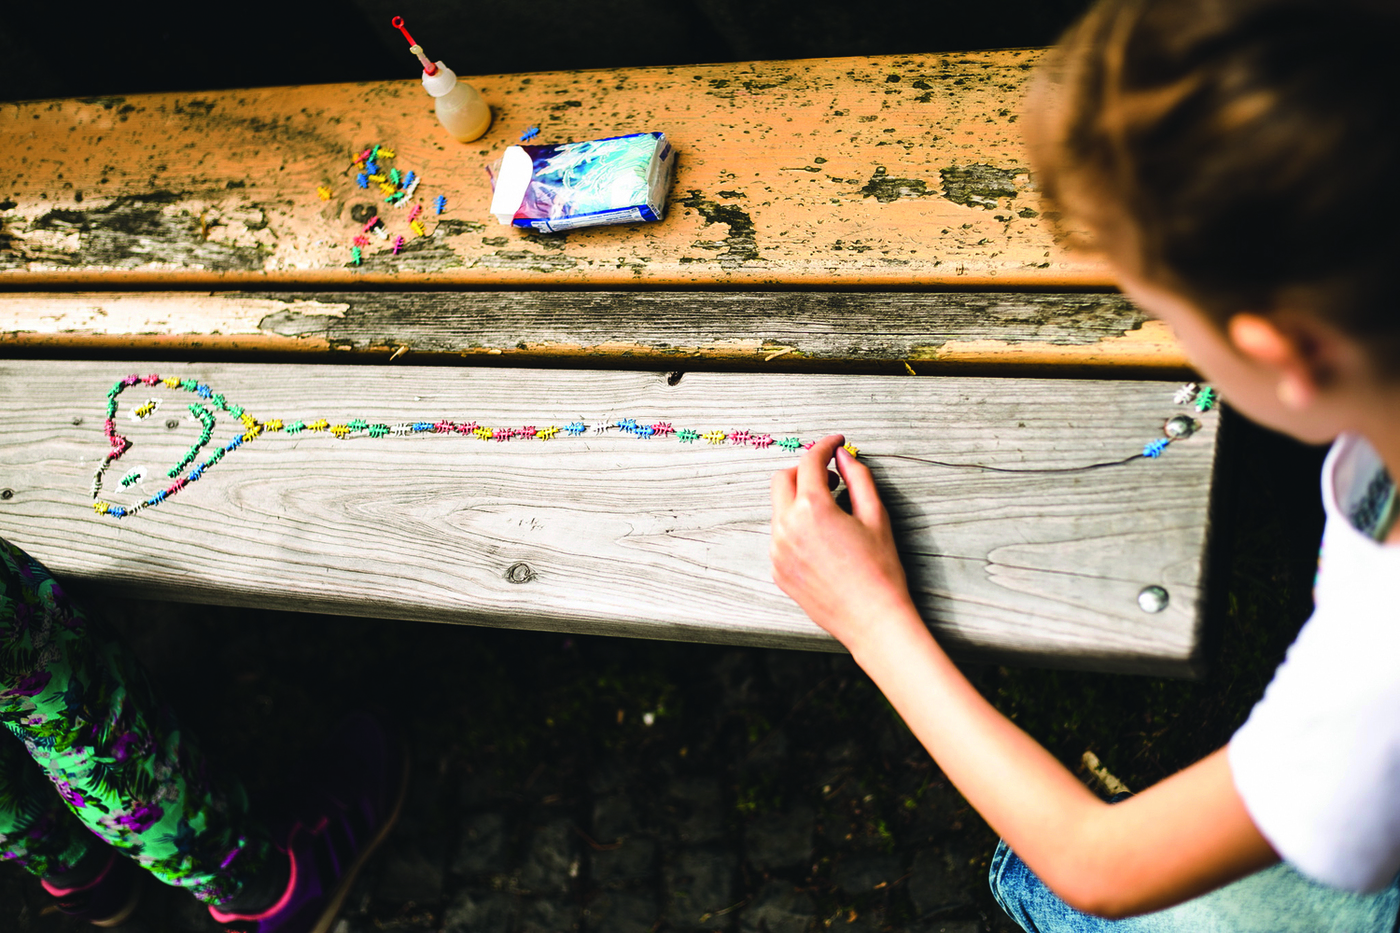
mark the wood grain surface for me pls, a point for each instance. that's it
(894, 171)
(811, 331)
(621, 535)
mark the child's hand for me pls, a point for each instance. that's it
(842, 569)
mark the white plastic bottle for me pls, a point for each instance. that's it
(459, 107)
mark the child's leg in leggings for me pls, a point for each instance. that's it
(37, 832)
(86, 712)
(1275, 900)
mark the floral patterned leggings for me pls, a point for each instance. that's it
(113, 766)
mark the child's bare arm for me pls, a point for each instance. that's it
(1180, 838)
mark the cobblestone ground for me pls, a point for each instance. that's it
(582, 784)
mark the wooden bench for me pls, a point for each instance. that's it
(835, 226)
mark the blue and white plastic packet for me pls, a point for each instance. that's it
(620, 180)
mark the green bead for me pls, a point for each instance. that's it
(359, 424)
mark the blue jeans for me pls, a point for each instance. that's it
(1275, 900)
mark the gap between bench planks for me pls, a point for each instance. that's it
(618, 535)
(1007, 331)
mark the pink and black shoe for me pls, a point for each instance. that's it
(106, 900)
(350, 798)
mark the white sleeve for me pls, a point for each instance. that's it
(1317, 764)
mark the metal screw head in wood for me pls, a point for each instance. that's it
(1180, 426)
(1152, 599)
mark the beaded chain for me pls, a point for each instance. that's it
(1175, 429)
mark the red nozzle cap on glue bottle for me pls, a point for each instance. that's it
(441, 81)
(438, 79)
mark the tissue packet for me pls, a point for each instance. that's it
(620, 180)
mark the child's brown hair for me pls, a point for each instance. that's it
(1246, 150)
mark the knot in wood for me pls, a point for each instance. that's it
(519, 572)
(77, 420)
(7, 494)
(172, 423)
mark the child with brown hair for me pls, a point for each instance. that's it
(1231, 160)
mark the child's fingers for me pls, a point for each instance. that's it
(865, 497)
(783, 488)
(811, 469)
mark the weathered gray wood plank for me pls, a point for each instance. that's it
(780, 331)
(620, 535)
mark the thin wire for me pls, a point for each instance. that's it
(997, 469)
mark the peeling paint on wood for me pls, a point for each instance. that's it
(790, 173)
(811, 330)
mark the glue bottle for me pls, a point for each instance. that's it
(460, 109)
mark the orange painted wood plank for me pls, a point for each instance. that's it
(895, 171)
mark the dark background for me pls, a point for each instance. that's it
(85, 48)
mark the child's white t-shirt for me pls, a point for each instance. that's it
(1317, 764)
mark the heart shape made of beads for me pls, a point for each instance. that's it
(210, 403)
(204, 412)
